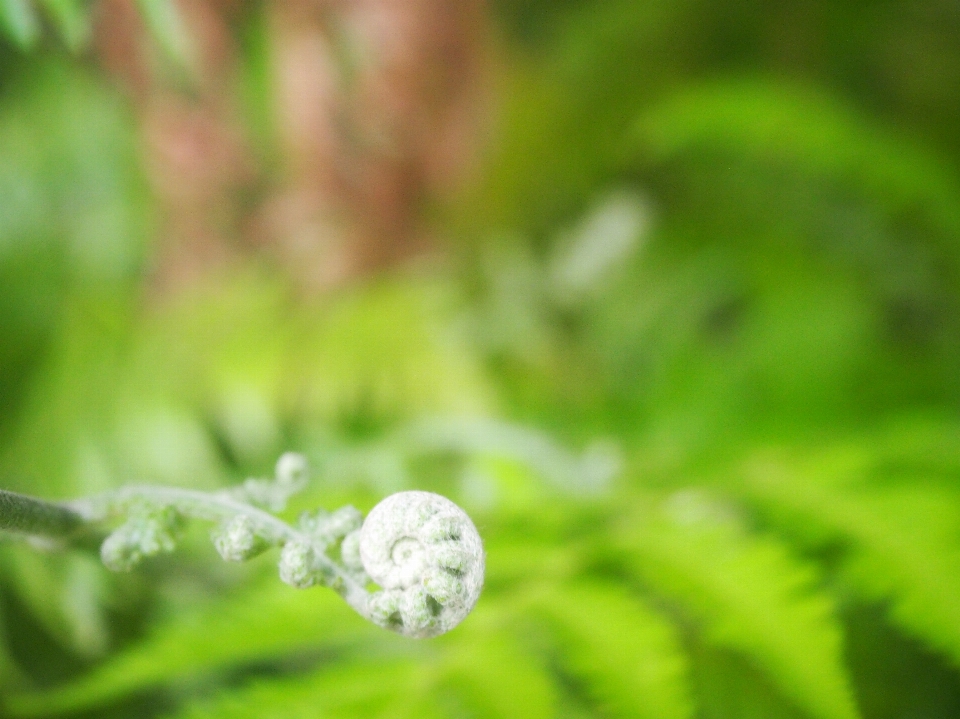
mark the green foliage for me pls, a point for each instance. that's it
(737, 266)
(748, 592)
(489, 673)
(257, 626)
(163, 21)
(626, 655)
(21, 21)
(339, 692)
(902, 541)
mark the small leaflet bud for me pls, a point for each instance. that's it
(141, 536)
(329, 527)
(291, 468)
(350, 552)
(419, 612)
(237, 540)
(443, 587)
(384, 608)
(298, 565)
(345, 520)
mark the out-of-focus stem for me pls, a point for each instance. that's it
(28, 515)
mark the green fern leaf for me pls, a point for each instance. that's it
(391, 347)
(263, 624)
(343, 691)
(491, 675)
(903, 542)
(728, 685)
(810, 132)
(167, 26)
(19, 21)
(72, 19)
(750, 595)
(626, 653)
(9, 672)
(480, 672)
(65, 594)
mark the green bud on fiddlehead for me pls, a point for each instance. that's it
(145, 534)
(298, 564)
(237, 540)
(330, 527)
(291, 469)
(350, 554)
(290, 477)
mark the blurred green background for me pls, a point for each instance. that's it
(665, 294)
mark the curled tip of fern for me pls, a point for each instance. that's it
(427, 557)
(420, 548)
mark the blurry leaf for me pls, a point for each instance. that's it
(70, 227)
(589, 253)
(473, 673)
(70, 177)
(728, 686)
(627, 656)
(66, 594)
(568, 107)
(807, 131)
(167, 26)
(72, 20)
(342, 691)
(903, 542)
(489, 673)
(387, 351)
(750, 594)
(84, 598)
(260, 625)
(491, 440)
(9, 672)
(18, 19)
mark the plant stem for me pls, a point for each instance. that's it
(216, 507)
(28, 515)
(20, 513)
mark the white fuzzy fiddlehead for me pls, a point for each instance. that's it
(421, 548)
(427, 556)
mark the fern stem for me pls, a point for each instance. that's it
(28, 515)
(188, 502)
(215, 507)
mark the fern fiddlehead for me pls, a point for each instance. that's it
(427, 555)
(420, 548)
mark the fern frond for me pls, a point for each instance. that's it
(810, 132)
(483, 672)
(392, 348)
(750, 595)
(262, 624)
(344, 691)
(627, 655)
(9, 672)
(729, 685)
(72, 20)
(491, 675)
(902, 542)
(19, 22)
(166, 25)
(77, 620)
